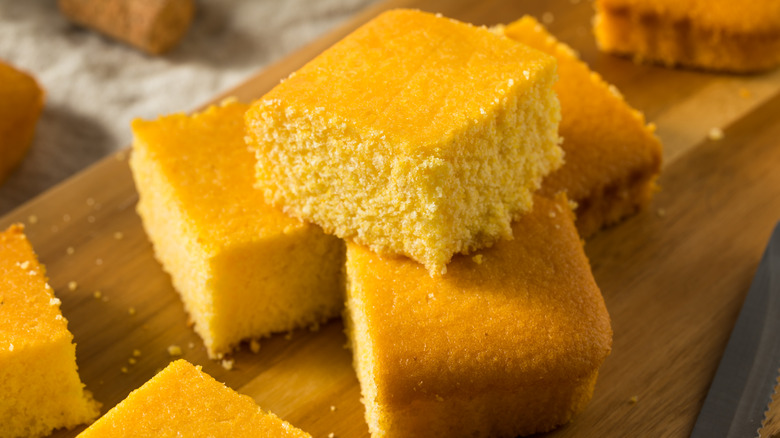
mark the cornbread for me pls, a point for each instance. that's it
(242, 268)
(709, 34)
(183, 401)
(40, 389)
(508, 344)
(613, 159)
(21, 101)
(415, 135)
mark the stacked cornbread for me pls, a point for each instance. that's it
(183, 401)
(613, 160)
(708, 34)
(242, 268)
(416, 138)
(415, 135)
(40, 389)
(21, 101)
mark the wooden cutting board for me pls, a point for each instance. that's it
(673, 277)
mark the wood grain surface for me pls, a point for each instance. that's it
(673, 277)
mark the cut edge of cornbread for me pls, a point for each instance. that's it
(233, 289)
(427, 201)
(621, 189)
(221, 412)
(648, 36)
(39, 381)
(421, 412)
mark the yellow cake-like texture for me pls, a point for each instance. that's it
(508, 343)
(613, 159)
(21, 101)
(415, 135)
(242, 268)
(183, 401)
(40, 389)
(709, 34)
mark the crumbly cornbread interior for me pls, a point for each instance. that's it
(414, 135)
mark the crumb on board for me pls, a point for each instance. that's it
(715, 134)
(97, 294)
(633, 399)
(136, 352)
(331, 435)
(254, 346)
(228, 364)
(745, 93)
(174, 350)
(124, 370)
(332, 408)
(72, 285)
(66, 217)
(118, 235)
(132, 361)
(288, 336)
(99, 261)
(131, 311)
(32, 219)
(91, 219)
(661, 212)
(70, 250)
(548, 18)
(478, 259)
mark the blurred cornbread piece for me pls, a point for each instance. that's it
(508, 343)
(183, 401)
(416, 135)
(612, 157)
(242, 268)
(40, 389)
(21, 101)
(154, 26)
(709, 34)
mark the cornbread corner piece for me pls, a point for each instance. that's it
(613, 159)
(243, 269)
(21, 102)
(508, 343)
(715, 35)
(415, 135)
(182, 400)
(39, 382)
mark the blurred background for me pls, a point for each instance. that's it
(96, 85)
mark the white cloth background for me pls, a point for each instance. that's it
(95, 85)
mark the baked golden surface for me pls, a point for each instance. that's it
(509, 342)
(21, 102)
(612, 157)
(242, 268)
(416, 135)
(183, 401)
(708, 34)
(40, 389)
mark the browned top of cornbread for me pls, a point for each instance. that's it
(214, 187)
(614, 147)
(412, 77)
(29, 312)
(728, 16)
(510, 315)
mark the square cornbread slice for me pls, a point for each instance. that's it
(613, 159)
(21, 102)
(40, 389)
(183, 401)
(508, 343)
(415, 135)
(709, 34)
(242, 268)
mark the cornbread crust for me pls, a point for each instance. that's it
(21, 102)
(40, 389)
(242, 268)
(415, 135)
(182, 400)
(613, 160)
(508, 344)
(717, 35)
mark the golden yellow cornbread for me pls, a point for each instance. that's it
(709, 34)
(613, 159)
(508, 343)
(183, 401)
(242, 268)
(40, 389)
(416, 134)
(21, 101)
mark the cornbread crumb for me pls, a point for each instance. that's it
(124, 370)
(191, 345)
(91, 219)
(90, 202)
(131, 361)
(478, 259)
(174, 350)
(715, 134)
(32, 219)
(331, 435)
(289, 335)
(97, 294)
(661, 212)
(70, 250)
(332, 408)
(118, 235)
(745, 93)
(66, 218)
(131, 311)
(98, 261)
(72, 285)
(548, 18)
(227, 364)
(136, 353)
(633, 400)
